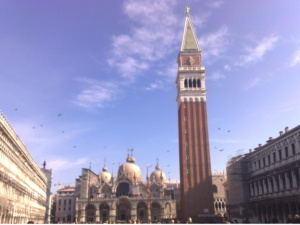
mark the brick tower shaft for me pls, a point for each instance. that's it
(194, 155)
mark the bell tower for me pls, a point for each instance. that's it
(194, 156)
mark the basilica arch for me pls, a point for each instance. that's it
(90, 213)
(156, 211)
(142, 211)
(104, 212)
(123, 209)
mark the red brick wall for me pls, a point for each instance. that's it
(199, 177)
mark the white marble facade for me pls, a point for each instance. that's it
(23, 185)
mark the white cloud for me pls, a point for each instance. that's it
(215, 44)
(256, 53)
(216, 76)
(96, 94)
(199, 21)
(253, 83)
(296, 58)
(154, 36)
(215, 4)
(157, 85)
(62, 164)
(227, 67)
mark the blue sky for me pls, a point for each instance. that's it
(109, 69)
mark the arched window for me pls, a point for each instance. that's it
(194, 83)
(199, 83)
(216, 205)
(185, 83)
(215, 189)
(123, 189)
(190, 83)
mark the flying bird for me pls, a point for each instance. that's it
(216, 147)
(41, 125)
(16, 109)
(168, 165)
(59, 115)
(63, 132)
(219, 128)
(33, 127)
(150, 165)
(221, 150)
(74, 146)
(168, 151)
(228, 131)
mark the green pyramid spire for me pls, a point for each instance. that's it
(189, 41)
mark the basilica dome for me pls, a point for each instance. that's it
(157, 175)
(105, 176)
(130, 170)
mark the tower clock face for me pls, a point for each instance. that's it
(190, 60)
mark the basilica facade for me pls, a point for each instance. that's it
(103, 197)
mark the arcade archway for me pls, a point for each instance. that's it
(155, 211)
(123, 209)
(142, 211)
(90, 213)
(104, 212)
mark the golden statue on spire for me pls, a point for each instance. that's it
(187, 9)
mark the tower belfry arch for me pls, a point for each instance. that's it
(194, 155)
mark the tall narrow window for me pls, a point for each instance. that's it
(269, 160)
(215, 189)
(194, 83)
(293, 149)
(264, 161)
(199, 83)
(185, 83)
(190, 83)
(279, 153)
(286, 152)
(274, 157)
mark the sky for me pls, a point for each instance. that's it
(83, 81)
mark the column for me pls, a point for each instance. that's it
(133, 213)
(275, 185)
(82, 214)
(97, 214)
(149, 215)
(269, 185)
(287, 181)
(259, 187)
(265, 186)
(112, 215)
(280, 182)
(294, 179)
(255, 188)
(251, 190)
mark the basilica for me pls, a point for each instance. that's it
(102, 197)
